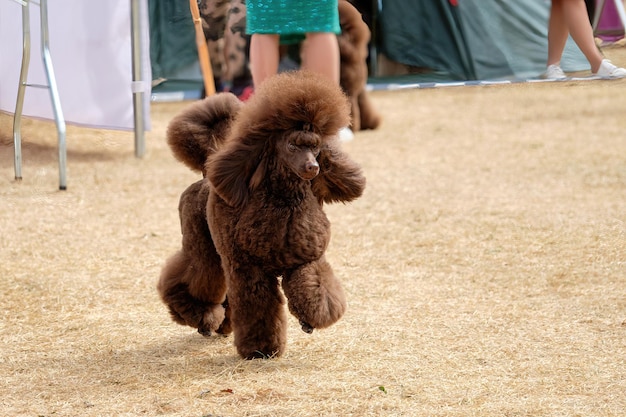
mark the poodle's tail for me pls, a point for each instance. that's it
(195, 133)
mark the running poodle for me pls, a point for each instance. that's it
(257, 215)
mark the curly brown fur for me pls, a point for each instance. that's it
(319, 302)
(353, 41)
(264, 190)
(201, 128)
(192, 282)
(305, 103)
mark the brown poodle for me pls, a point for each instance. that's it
(353, 41)
(269, 166)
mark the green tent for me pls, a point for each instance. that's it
(471, 39)
(448, 40)
(172, 37)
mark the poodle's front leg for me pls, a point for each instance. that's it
(257, 314)
(315, 296)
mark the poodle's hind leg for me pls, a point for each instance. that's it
(314, 295)
(370, 118)
(201, 310)
(258, 315)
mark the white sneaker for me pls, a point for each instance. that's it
(609, 70)
(345, 134)
(554, 72)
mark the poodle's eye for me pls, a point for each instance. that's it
(291, 147)
(315, 150)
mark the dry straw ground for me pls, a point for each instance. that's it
(485, 269)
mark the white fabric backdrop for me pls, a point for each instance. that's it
(90, 46)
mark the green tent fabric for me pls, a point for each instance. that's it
(172, 37)
(472, 39)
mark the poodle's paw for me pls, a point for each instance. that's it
(205, 332)
(306, 327)
(271, 348)
(258, 354)
(319, 311)
(315, 296)
(212, 320)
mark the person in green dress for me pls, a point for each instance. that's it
(316, 22)
(272, 22)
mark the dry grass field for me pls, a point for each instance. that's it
(485, 270)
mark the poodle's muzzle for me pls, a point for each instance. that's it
(299, 151)
(310, 170)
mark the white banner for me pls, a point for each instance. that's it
(90, 47)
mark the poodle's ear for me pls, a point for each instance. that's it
(201, 127)
(237, 169)
(340, 178)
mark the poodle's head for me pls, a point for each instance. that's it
(298, 152)
(291, 120)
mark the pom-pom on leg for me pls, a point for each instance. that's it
(186, 308)
(315, 296)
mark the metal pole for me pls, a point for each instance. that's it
(597, 14)
(138, 82)
(54, 94)
(19, 105)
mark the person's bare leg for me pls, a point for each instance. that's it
(320, 53)
(575, 14)
(263, 57)
(557, 32)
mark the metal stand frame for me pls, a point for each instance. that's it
(138, 83)
(619, 6)
(138, 87)
(52, 86)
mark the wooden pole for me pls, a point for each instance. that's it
(203, 50)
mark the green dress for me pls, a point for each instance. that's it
(291, 17)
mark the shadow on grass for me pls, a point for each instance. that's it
(43, 154)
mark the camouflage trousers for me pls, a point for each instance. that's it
(224, 25)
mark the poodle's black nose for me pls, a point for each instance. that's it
(312, 168)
